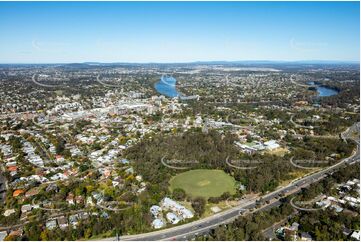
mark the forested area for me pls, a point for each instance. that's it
(208, 150)
(320, 148)
(211, 149)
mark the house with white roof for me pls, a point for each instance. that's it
(8, 212)
(51, 224)
(172, 218)
(158, 223)
(356, 235)
(181, 211)
(271, 145)
(155, 210)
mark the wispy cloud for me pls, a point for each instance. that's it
(307, 45)
(49, 46)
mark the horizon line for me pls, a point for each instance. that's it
(182, 62)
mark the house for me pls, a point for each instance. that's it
(59, 159)
(172, 218)
(13, 173)
(332, 199)
(271, 145)
(346, 231)
(89, 201)
(350, 183)
(51, 224)
(350, 199)
(18, 192)
(26, 208)
(58, 176)
(337, 208)
(104, 215)
(324, 203)
(37, 178)
(251, 147)
(32, 192)
(155, 210)
(97, 196)
(185, 213)
(70, 198)
(291, 232)
(63, 222)
(83, 215)
(124, 161)
(158, 223)
(12, 168)
(8, 212)
(295, 226)
(356, 235)
(52, 187)
(168, 203)
(73, 219)
(47, 204)
(181, 211)
(280, 232)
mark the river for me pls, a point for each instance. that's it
(323, 91)
(167, 86)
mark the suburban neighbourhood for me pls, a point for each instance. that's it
(187, 121)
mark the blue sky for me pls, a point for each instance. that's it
(57, 32)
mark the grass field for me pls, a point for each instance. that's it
(204, 183)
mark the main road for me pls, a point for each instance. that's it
(202, 226)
